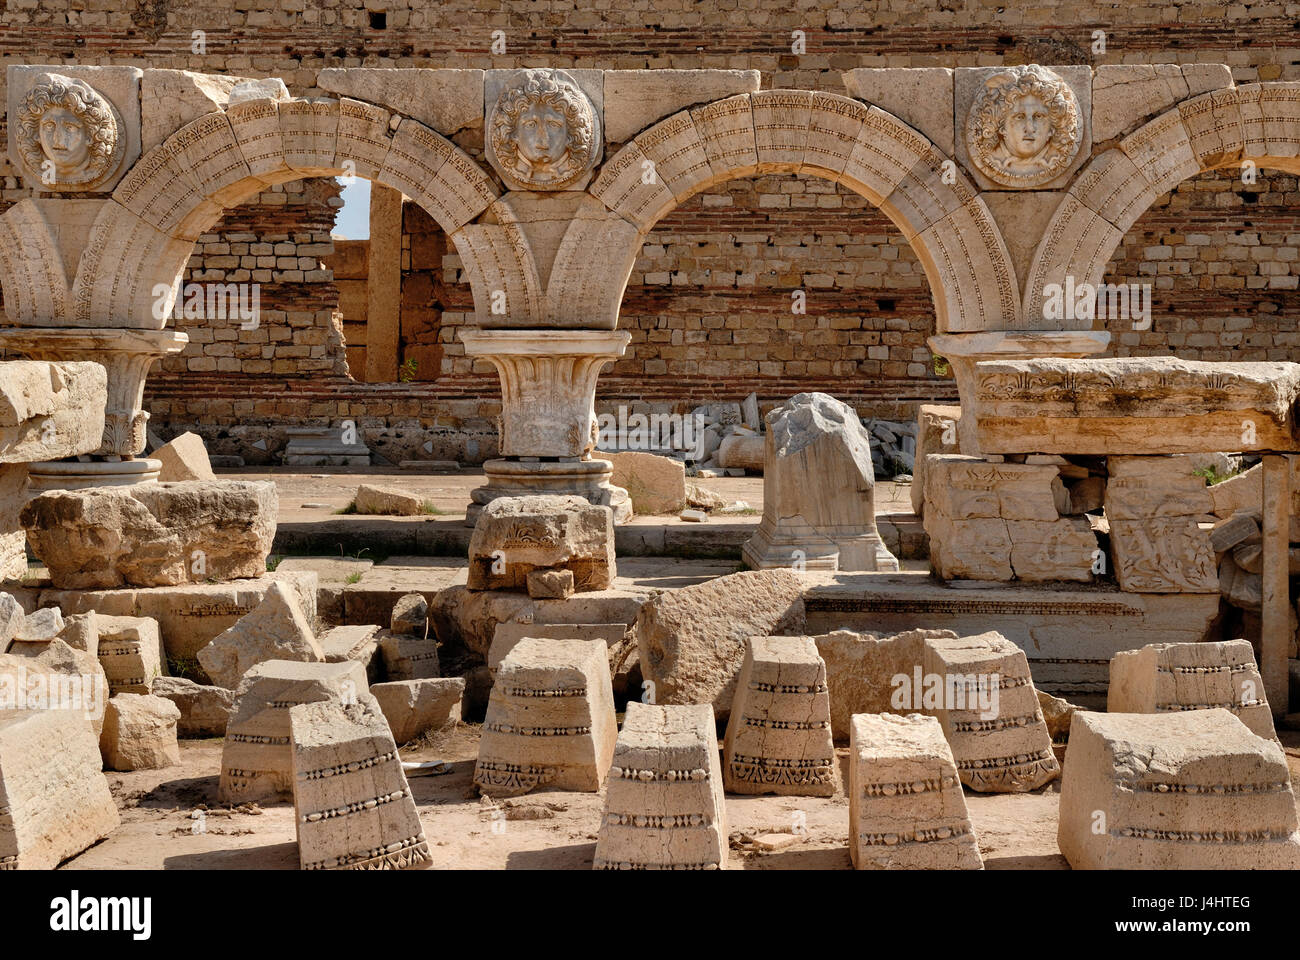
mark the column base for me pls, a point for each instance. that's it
(770, 549)
(527, 478)
(75, 475)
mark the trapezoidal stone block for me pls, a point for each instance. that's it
(257, 759)
(550, 719)
(131, 653)
(664, 808)
(989, 712)
(1173, 677)
(906, 806)
(779, 734)
(353, 808)
(515, 535)
(815, 444)
(1192, 790)
(54, 798)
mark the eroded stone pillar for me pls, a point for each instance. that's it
(548, 415)
(964, 350)
(127, 355)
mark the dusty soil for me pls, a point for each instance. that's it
(547, 830)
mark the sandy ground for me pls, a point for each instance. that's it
(547, 830)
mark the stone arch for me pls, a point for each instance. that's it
(1259, 122)
(867, 149)
(144, 234)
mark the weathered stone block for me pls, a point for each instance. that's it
(205, 711)
(1193, 790)
(664, 808)
(153, 534)
(515, 535)
(256, 761)
(130, 650)
(140, 733)
(815, 444)
(779, 736)
(56, 798)
(692, 640)
(275, 630)
(352, 806)
(550, 719)
(413, 707)
(906, 807)
(1172, 677)
(990, 713)
(184, 458)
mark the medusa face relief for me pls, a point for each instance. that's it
(64, 140)
(544, 131)
(1024, 128)
(69, 136)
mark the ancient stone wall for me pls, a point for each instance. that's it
(708, 305)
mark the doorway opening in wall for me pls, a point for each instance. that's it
(772, 286)
(388, 265)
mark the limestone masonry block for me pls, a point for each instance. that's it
(49, 411)
(140, 733)
(351, 802)
(275, 630)
(550, 719)
(779, 735)
(1192, 790)
(388, 500)
(257, 762)
(407, 657)
(906, 806)
(131, 652)
(692, 640)
(515, 535)
(54, 676)
(657, 485)
(1173, 677)
(205, 711)
(153, 534)
(664, 808)
(56, 798)
(413, 707)
(999, 521)
(1134, 405)
(184, 458)
(990, 713)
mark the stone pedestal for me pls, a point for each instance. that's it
(964, 350)
(548, 417)
(818, 491)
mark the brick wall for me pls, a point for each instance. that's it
(709, 301)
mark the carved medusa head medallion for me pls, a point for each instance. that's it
(69, 136)
(544, 131)
(1024, 128)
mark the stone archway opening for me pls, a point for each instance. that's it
(773, 285)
